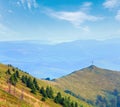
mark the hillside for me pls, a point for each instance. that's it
(90, 82)
(20, 93)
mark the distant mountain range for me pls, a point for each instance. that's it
(55, 60)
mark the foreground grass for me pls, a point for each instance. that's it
(7, 100)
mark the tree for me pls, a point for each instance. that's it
(43, 99)
(113, 102)
(17, 74)
(118, 101)
(8, 72)
(76, 104)
(49, 92)
(33, 90)
(43, 92)
(13, 69)
(36, 84)
(58, 98)
(72, 104)
(115, 92)
(48, 79)
(13, 79)
(29, 82)
(23, 79)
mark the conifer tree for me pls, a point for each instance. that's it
(17, 74)
(58, 98)
(43, 92)
(8, 72)
(33, 90)
(49, 92)
(13, 79)
(29, 82)
(35, 84)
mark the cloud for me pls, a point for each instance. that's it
(76, 18)
(87, 4)
(117, 17)
(110, 4)
(113, 4)
(28, 3)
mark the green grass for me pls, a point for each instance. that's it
(20, 85)
(90, 82)
(7, 100)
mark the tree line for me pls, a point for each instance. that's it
(45, 92)
(109, 102)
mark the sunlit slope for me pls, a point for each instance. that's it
(32, 99)
(90, 82)
(7, 100)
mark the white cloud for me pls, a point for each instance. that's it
(87, 4)
(111, 4)
(28, 3)
(76, 18)
(117, 17)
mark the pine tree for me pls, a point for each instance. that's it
(49, 92)
(58, 98)
(13, 79)
(43, 99)
(33, 90)
(76, 104)
(72, 104)
(35, 84)
(17, 74)
(43, 92)
(23, 79)
(29, 82)
(8, 72)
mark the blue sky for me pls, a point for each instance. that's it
(56, 21)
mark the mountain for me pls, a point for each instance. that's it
(18, 88)
(44, 60)
(90, 82)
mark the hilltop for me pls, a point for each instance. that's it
(90, 82)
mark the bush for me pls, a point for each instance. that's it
(43, 99)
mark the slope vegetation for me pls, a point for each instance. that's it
(27, 94)
(90, 82)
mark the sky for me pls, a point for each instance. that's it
(57, 21)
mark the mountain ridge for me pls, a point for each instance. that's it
(90, 81)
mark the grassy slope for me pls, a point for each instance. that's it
(90, 82)
(21, 86)
(7, 100)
